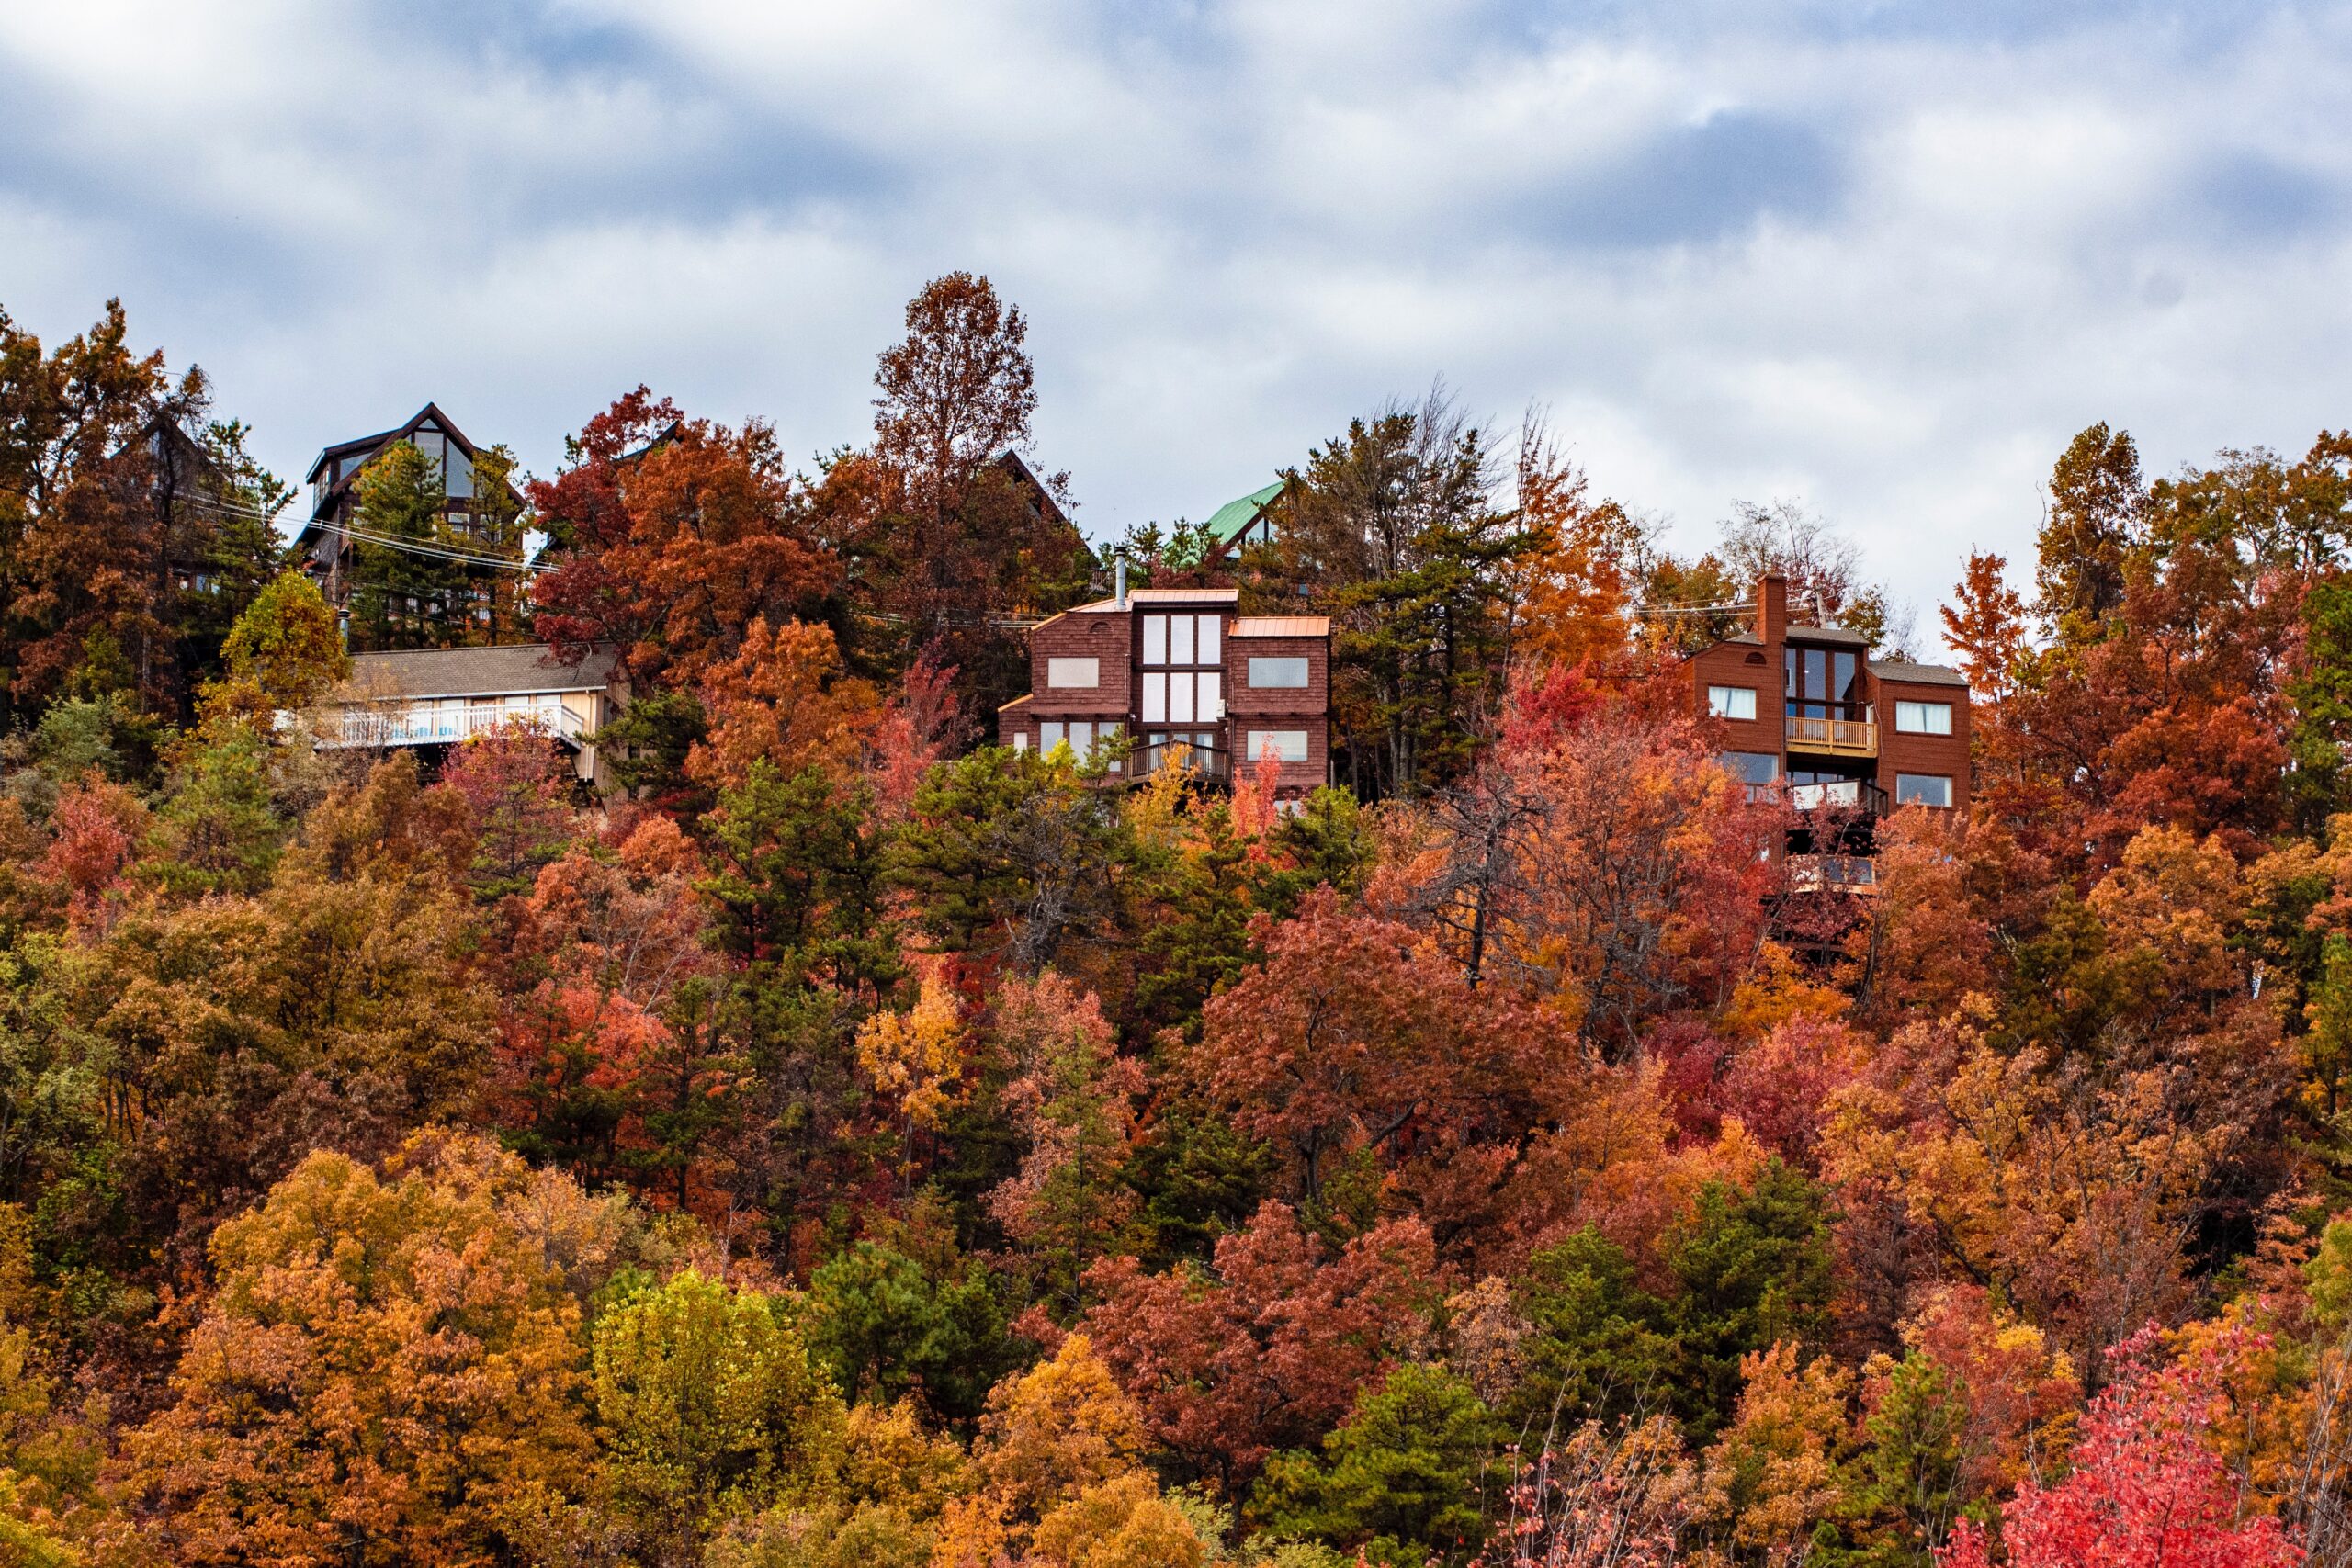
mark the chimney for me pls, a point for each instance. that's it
(1119, 576)
(1773, 608)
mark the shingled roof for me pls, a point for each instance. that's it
(471, 673)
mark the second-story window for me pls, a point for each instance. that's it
(1073, 674)
(1181, 639)
(1730, 702)
(1278, 674)
(1923, 718)
(1822, 682)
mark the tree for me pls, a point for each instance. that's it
(391, 1370)
(710, 1408)
(1398, 530)
(1011, 855)
(1403, 1480)
(283, 654)
(2144, 1490)
(889, 1329)
(951, 530)
(1754, 1266)
(1266, 1350)
(2094, 516)
(1352, 1036)
(1072, 1100)
(669, 537)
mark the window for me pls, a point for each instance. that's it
(1179, 699)
(1179, 640)
(1730, 702)
(1211, 703)
(1073, 673)
(1754, 767)
(1021, 740)
(1822, 683)
(1285, 745)
(1923, 718)
(1922, 789)
(1286, 674)
(1049, 734)
(1155, 697)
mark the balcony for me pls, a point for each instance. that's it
(1847, 794)
(1833, 734)
(1158, 753)
(1833, 873)
(374, 727)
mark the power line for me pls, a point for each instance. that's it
(386, 541)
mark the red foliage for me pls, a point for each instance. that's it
(1268, 1352)
(2146, 1492)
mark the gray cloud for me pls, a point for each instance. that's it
(1885, 257)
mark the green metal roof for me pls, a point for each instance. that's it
(1229, 520)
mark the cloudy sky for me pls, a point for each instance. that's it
(1883, 258)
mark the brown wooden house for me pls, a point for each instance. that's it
(1805, 713)
(1145, 679)
(324, 547)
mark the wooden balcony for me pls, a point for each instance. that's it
(1834, 737)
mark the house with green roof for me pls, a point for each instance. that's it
(1241, 523)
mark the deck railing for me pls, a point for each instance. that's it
(1845, 737)
(379, 727)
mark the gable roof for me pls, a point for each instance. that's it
(471, 673)
(1013, 463)
(326, 499)
(1226, 523)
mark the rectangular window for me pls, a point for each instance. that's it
(1021, 740)
(1073, 673)
(1155, 640)
(1206, 652)
(1108, 735)
(1155, 697)
(1923, 718)
(1922, 789)
(1179, 640)
(1278, 674)
(1212, 700)
(1751, 767)
(1179, 699)
(1081, 738)
(1049, 735)
(1730, 702)
(1285, 745)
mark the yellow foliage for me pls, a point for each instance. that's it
(1773, 994)
(1122, 1523)
(918, 1055)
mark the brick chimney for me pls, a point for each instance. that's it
(1773, 608)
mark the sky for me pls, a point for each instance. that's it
(1881, 259)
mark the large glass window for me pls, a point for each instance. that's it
(1923, 718)
(1822, 682)
(1073, 673)
(1730, 702)
(1281, 674)
(1752, 767)
(1211, 703)
(1181, 639)
(1922, 789)
(1155, 696)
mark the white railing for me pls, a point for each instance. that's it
(1813, 796)
(436, 726)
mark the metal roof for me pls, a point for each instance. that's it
(1281, 626)
(1229, 520)
(470, 672)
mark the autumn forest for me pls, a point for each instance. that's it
(850, 1142)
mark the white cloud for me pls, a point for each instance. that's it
(1888, 264)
